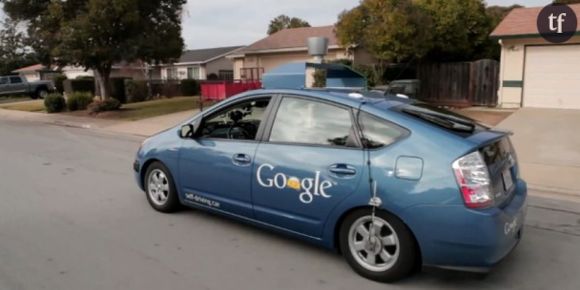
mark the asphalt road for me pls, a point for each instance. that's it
(71, 217)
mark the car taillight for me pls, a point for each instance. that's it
(473, 179)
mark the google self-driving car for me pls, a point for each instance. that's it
(390, 183)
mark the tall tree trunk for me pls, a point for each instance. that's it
(103, 79)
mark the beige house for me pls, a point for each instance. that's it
(35, 72)
(201, 64)
(41, 72)
(289, 45)
(533, 71)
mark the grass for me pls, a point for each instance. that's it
(144, 110)
(27, 106)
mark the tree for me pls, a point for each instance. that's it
(566, 1)
(96, 34)
(283, 22)
(392, 30)
(435, 30)
(14, 53)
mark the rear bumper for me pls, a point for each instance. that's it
(459, 238)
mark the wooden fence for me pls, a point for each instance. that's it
(460, 84)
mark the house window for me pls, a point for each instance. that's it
(193, 73)
(226, 75)
(172, 73)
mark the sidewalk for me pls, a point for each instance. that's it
(142, 128)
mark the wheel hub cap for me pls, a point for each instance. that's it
(374, 245)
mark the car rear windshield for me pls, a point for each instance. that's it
(443, 118)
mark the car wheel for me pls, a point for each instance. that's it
(160, 188)
(383, 251)
(42, 93)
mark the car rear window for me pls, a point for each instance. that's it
(443, 118)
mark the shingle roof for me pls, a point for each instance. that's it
(205, 55)
(292, 38)
(523, 21)
(32, 68)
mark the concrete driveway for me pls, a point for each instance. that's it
(548, 146)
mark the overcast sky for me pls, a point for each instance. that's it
(213, 23)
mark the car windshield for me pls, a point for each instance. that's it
(444, 118)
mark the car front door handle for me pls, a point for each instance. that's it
(342, 169)
(242, 159)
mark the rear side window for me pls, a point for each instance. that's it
(3, 81)
(379, 133)
(308, 122)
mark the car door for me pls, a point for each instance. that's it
(310, 160)
(5, 86)
(17, 85)
(215, 167)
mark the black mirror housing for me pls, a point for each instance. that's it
(188, 131)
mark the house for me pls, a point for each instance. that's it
(201, 64)
(533, 71)
(41, 72)
(290, 45)
(35, 72)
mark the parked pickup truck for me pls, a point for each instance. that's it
(17, 85)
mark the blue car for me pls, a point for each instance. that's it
(390, 183)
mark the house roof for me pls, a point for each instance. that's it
(291, 39)
(523, 22)
(31, 68)
(205, 55)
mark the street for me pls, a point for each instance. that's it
(72, 217)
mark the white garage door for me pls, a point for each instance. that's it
(552, 77)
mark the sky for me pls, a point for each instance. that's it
(214, 23)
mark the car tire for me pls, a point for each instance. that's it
(387, 256)
(160, 188)
(40, 94)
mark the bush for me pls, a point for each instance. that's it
(189, 87)
(78, 101)
(109, 104)
(136, 91)
(54, 103)
(59, 83)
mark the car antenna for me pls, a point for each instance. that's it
(374, 201)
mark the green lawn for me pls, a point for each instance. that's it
(143, 110)
(129, 112)
(27, 106)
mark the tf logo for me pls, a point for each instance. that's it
(557, 23)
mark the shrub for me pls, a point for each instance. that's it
(109, 104)
(59, 83)
(54, 103)
(189, 87)
(136, 91)
(78, 101)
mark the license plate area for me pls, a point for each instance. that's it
(508, 181)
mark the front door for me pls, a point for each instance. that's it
(312, 160)
(215, 169)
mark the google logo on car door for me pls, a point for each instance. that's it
(310, 187)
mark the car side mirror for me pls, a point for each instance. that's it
(188, 131)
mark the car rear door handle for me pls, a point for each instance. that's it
(241, 159)
(342, 169)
